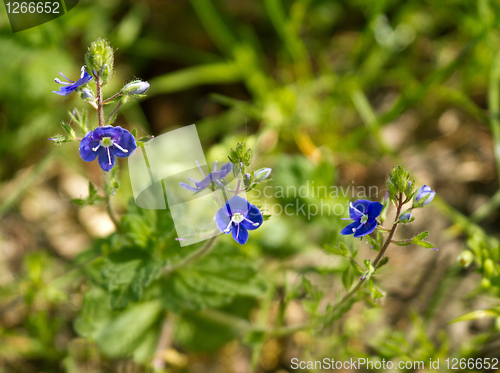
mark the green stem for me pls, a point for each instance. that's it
(110, 116)
(494, 108)
(112, 97)
(191, 258)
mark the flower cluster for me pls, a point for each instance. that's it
(106, 141)
(236, 215)
(364, 213)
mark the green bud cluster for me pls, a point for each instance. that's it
(99, 59)
(241, 158)
(399, 182)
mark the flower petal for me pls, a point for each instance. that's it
(349, 229)
(365, 229)
(374, 211)
(222, 220)
(358, 208)
(238, 204)
(106, 160)
(125, 141)
(255, 216)
(240, 234)
(86, 145)
(188, 187)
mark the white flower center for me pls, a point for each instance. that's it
(364, 219)
(237, 218)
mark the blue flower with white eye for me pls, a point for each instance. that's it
(364, 213)
(238, 216)
(104, 143)
(71, 86)
(212, 177)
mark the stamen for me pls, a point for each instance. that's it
(119, 147)
(238, 233)
(97, 147)
(215, 166)
(254, 224)
(200, 169)
(227, 228)
(59, 81)
(65, 77)
(109, 156)
(359, 226)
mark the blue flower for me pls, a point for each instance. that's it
(212, 177)
(423, 196)
(105, 143)
(71, 86)
(238, 216)
(364, 213)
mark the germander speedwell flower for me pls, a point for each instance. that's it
(71, 86)
(105, 143)
(238, 216)
(364, 213)
(212, 177)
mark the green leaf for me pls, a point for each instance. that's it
(347, 278)
(475, 315)
(425, 244)
(420, 236)
(92, 199)
(341, 250)
(213, 281)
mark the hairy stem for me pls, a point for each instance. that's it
(112, 97)
(100, 113)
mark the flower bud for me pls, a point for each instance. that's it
(405, 218)
(262, 174)
(423, 196)
(465, 258)
(489, 268)
(397, 182)
(485, 283)
(100, 59)
(87, 94)
(137, 87)
(246, 179)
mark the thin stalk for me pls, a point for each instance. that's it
(110, 116)
(191, 258)
(494, 108)
(379, 257)
(112, 97)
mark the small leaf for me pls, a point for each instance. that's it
(347, 278)
(420, 236)
(479, 314)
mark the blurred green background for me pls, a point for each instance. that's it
(330, 92)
